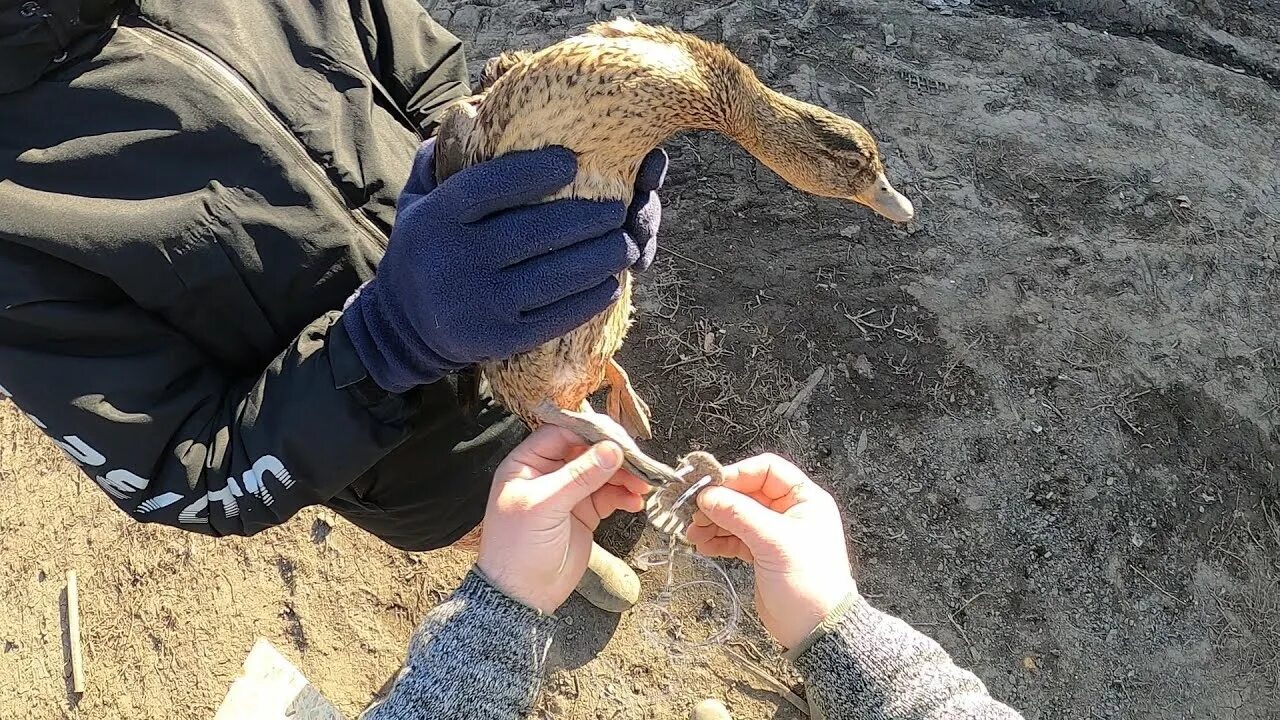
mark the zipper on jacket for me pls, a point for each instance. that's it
(230, 80)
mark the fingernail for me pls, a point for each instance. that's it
(608, 456)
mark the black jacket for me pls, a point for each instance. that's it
(189, 191)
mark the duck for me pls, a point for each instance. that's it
(611, 95)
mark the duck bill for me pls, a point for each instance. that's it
(882, 198)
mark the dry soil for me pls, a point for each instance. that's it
(1049, 407)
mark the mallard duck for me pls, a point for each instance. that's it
(611, 95)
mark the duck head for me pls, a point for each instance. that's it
(823, 153)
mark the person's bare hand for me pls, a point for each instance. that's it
(769, 513)
(549, 495)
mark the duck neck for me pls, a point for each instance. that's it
(767, 126)
(732, 93)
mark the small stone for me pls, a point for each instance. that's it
(863, 367)
(890, 39)
(710, 709)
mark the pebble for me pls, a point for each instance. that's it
(710, 709)
(890, 38)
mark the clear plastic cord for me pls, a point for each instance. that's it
(685, 615)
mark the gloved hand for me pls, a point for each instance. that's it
(474, 272)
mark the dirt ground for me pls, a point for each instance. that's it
(1049, 407)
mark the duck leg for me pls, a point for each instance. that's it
(671, 505)
(624, 404)
(586, 424)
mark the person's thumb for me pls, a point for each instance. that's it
(753, 523)
(583, 475)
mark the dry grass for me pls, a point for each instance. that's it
(724, 377)
(1247, 620)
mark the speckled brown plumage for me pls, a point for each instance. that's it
(611, 95)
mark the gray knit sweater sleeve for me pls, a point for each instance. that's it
(478, 655)
(862, 664)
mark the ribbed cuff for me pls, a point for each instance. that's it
(478, 587)
(827, 626)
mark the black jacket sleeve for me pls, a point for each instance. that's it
(166, 434)
(419, 63)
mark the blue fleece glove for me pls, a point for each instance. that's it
(475, 272)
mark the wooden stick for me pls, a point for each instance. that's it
(774, 683)
(801, 399)
(73, 633)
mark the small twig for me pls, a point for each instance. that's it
(956, 624)
(73, 634)
(963, 635)
(864, 325)
(775, 684)
(1125, 420)
(1050, 406)
(1153, 583)
(968, 602)
(685, 361)
(802, 398)
(893, 315)
(669, 251)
